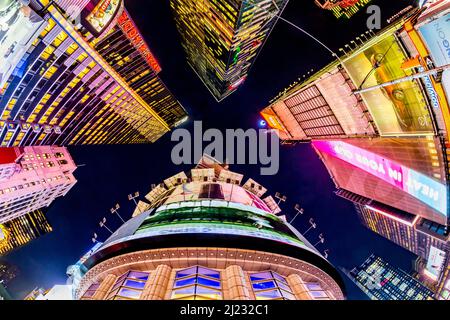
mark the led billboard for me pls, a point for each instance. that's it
(98, 15)
(435, 263)
(399, 109)
(436, 35)
(19, 27)
(418, 185)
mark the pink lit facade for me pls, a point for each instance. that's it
(34, 179)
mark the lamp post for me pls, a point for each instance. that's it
(321, 239)
(300, 211)
(280, 198)
(326, 253)
(115, 211)
(313, 226)
(103, 225)
(133, 197)
(94, 238)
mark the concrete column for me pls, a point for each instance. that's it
(236, 284)
(298, 287)
(156, 287)
(105, 286)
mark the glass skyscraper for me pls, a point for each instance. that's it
(222, 38)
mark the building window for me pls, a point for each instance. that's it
(129, 286)
(197, 283)
(90, 292)
(316, 291)
(269, 285)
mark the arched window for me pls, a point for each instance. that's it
(269, 285)
(197, 283)
(129, 286)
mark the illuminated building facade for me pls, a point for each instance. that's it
(57, 89)
(223, 38)
(382, 281)
(20, 231)
(4, 294)
(41, 174)
(205, 235)
(343, 8)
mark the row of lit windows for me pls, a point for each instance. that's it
(200, 283)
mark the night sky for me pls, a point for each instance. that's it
(107, 174)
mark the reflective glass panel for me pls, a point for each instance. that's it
(268, 295)
(209, 273)
(134, 284)
(138, 275)
(314, 286)
(180, 293)
(184, 282)
(208, 282)
(260, 276)
(319, 294)
(264, 285)
(187, 272)
(129, 293)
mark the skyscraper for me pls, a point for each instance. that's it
(382, 281)
(205, 235)
(223, 38)
(57, 88)
(343, 8)
(21, 230)
(36, 177)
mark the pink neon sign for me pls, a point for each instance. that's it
(414, 183)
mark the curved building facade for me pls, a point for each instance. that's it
(206, 236)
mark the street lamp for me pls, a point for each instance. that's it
(103, 225)
(94, 238)
(133, 197)
(358, 38)
(326, 253)
(280, 197)
(321, 239)
(115, 210)
(313, 226)
(300, 211)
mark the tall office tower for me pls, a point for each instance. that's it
(37, 292)
(8, 272)
(41, 174)
(56, 88)
(343, 8)
(382, 281)
(22, 230)
(223, 38)
(205, 235)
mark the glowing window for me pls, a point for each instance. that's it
(269, 285)
(197, 283)
(129, 286)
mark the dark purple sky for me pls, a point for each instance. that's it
(112, 172)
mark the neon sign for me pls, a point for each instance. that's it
(418, 185)
(138, 42)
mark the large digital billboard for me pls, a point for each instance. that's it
(98, 15)
(436, 35)
(399, 109)
(19, 27)
(418, 185)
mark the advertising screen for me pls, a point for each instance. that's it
(100, 16)
(436, 35)
(435, 263)
(420, 186)
(399, 109)
(19, 27)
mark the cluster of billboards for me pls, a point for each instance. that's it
(100, 14)
(19, 27)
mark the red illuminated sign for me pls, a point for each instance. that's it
(138, 42)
